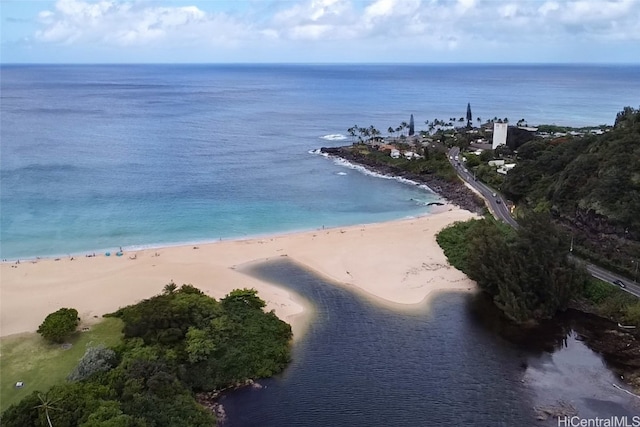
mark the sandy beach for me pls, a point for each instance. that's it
(397, 261)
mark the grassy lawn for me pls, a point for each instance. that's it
(30, 359)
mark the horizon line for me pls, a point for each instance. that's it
(337, 63)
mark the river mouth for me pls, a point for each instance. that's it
(453, 361)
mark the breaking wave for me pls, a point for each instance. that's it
(334, 137)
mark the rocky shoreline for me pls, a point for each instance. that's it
(619, 347)
(453, 191)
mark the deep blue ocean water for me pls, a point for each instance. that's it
(94, 157)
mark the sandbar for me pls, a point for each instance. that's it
(396, 261)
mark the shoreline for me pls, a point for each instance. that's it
(414, 267)
(131, 249)
(453, 192)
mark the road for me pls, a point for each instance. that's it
(500, 210)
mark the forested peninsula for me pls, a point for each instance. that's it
(177, 346)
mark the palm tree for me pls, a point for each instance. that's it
(404, 125)
(352, 132)
(169, 288)
(365, 132)
(391, 131)
(374, 133)
(47, 405)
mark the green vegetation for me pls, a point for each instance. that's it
(175, 344)
(432, 161)
(590, 184)
(526, 271)
(40, 364)
(59, 325)
(612, 302)
(463, 241)
(95, 359)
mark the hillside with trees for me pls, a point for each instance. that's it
(591, 185)
(175, 344)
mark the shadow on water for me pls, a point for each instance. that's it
(360, 364)
(559, 366)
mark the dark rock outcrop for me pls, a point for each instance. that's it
(454, 191)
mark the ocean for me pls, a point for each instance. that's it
(96, 157)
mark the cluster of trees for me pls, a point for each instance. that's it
(364, 133)
(59, 325)
(433, 162)
(436, 125)
(372, 134)
(526, 271)
(175, 344)
(591, 182)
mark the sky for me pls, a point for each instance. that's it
(320, 31)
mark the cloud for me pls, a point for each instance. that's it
(133, 23)
(418, 25)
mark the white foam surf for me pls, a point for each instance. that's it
(334, 137)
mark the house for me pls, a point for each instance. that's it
(505, 168)
(496, 162)
(411, 155)
(395, 153)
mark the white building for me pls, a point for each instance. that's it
(499, 134)
(395, 153)
(504, 169)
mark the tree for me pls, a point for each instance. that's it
(527, 272)
(243, 298)
(58, 325)
(412, 129)
(199, 345)
(352, 132)
(403, 126)
(169, 288)
(46, 405)
(391, 131)
(469, 116)
(95, 359)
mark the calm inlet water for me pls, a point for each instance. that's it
(363, 365)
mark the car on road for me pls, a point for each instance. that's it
(619, 283)
(498, 201)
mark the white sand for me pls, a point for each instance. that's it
(396, 261)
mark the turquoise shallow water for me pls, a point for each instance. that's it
(97, 157)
